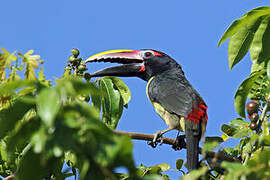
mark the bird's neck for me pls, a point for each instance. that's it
(170, 72)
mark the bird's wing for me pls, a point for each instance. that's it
(174, 94)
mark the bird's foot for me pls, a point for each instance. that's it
(179, 143)
(156, 140)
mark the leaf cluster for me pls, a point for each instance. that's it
(44, 126)
(250, 33)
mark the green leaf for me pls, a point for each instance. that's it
(214, 138)
(195, 174)
(240, 133)
(164, 166)
(264, 156)
(113, 104)
(247, 148)
(260, 50)
(228, 150)
(10, 116)
(19, 138)
(259, 89)
(122, 88)
(268, 70)
(3, 151)
(238, 122)
(266, 140)
(29, 72)
(229, 130)
(235, 170)
(257, 66)
(48, 105)
(240, 23)
(3, 61)
(242, 93)
(37, 166)
(209, 146)
(225, 137)
(75, 86)
(97, 101)
(154, 170)
(153, 177)
(240, 42)
(10, 87)
(179, 163)
(39, 139)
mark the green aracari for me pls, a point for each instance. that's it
(173, 97)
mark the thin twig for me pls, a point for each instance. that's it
(262, 117)
(147, 137)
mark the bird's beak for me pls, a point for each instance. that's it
(132, 62)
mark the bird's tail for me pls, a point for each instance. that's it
(194, 129)
(192, 143)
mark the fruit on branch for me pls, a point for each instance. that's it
(253, 117)
(75, 52)
(82, 67)
(87, 76)
(71, 58)
(252, 107)
(253, 125)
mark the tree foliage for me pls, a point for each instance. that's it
(46, 124)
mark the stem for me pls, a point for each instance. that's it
(265, 109)
(262, 117)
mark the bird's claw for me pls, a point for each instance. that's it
(156, 140)
(179, 143)
(152, 144)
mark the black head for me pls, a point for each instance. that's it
(143, 63)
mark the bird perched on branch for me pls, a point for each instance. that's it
(173, 97)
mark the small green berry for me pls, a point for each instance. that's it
(71, 58)
(82, 67)
(79, 60)
(75, 52)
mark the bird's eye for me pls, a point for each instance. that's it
(148, 54)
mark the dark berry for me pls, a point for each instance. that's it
(75, 52)
(252, 107)
(87, 76)
(253, 125)
(253, 117)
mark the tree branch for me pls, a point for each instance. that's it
(10, 177)
(147, 137)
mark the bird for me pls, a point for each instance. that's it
(173, 97)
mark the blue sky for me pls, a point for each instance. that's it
(186, 30)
